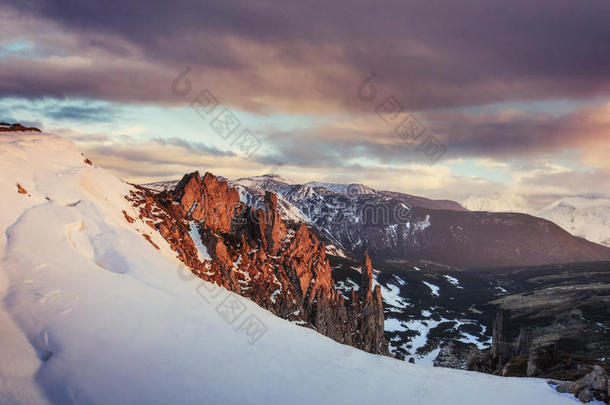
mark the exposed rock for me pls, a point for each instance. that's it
(208, 200)
(516, 367)
(255, 253)
(89, 162)
(128, 218)
(367, 275)
(357, 219)
(147, 237)
(5, 127)
(524, 342)
(570, 387)
(496, 335)
(585, 395)
(506, 358)
(454, 354)
(21, 190)
(541, 358)
(593, 386)
(272, 225)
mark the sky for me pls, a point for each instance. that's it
(502, 102)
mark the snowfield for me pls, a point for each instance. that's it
(92, 313)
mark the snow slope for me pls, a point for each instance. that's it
(94, 314)
(588, 218)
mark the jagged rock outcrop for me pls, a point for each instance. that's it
(208, 200)
(281, 266)
(6, 127)
(503, 358)
(585, 378)
(540, 359)
(524, 342)
(367, 311)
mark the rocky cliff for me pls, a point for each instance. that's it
(280, 265)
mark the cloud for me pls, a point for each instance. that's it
(72, 111)
(521, 135)
(81, 113)
(289, 56)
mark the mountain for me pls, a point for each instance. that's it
(253, 252)
(587, 217)
(99, 307)
(504, 203)
(354, 218)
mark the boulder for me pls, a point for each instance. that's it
(593, 386)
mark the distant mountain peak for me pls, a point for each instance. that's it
(585, 216)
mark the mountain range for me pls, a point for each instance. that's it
(354, 218)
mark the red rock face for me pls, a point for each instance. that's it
(367, 275)
(281, 267)
(21, 190)
(208, 200)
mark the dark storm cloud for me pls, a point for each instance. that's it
(428, 54)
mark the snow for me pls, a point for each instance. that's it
(342, 188)
(433, 288)
(335, 251)
(428, 358)
(505, 202)
(423, 224)
(390, 294)
(92, 313)
(587, 217)
(453, 280)
(399, 280)
(346, 286)
(202, 250)
(393, 325)
(423, 328)
(468, 338)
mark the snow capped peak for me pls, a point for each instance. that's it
(264, 177)
(504, 203)
(584, 216)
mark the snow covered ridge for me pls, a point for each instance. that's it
(588, 218)
(93, 313)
